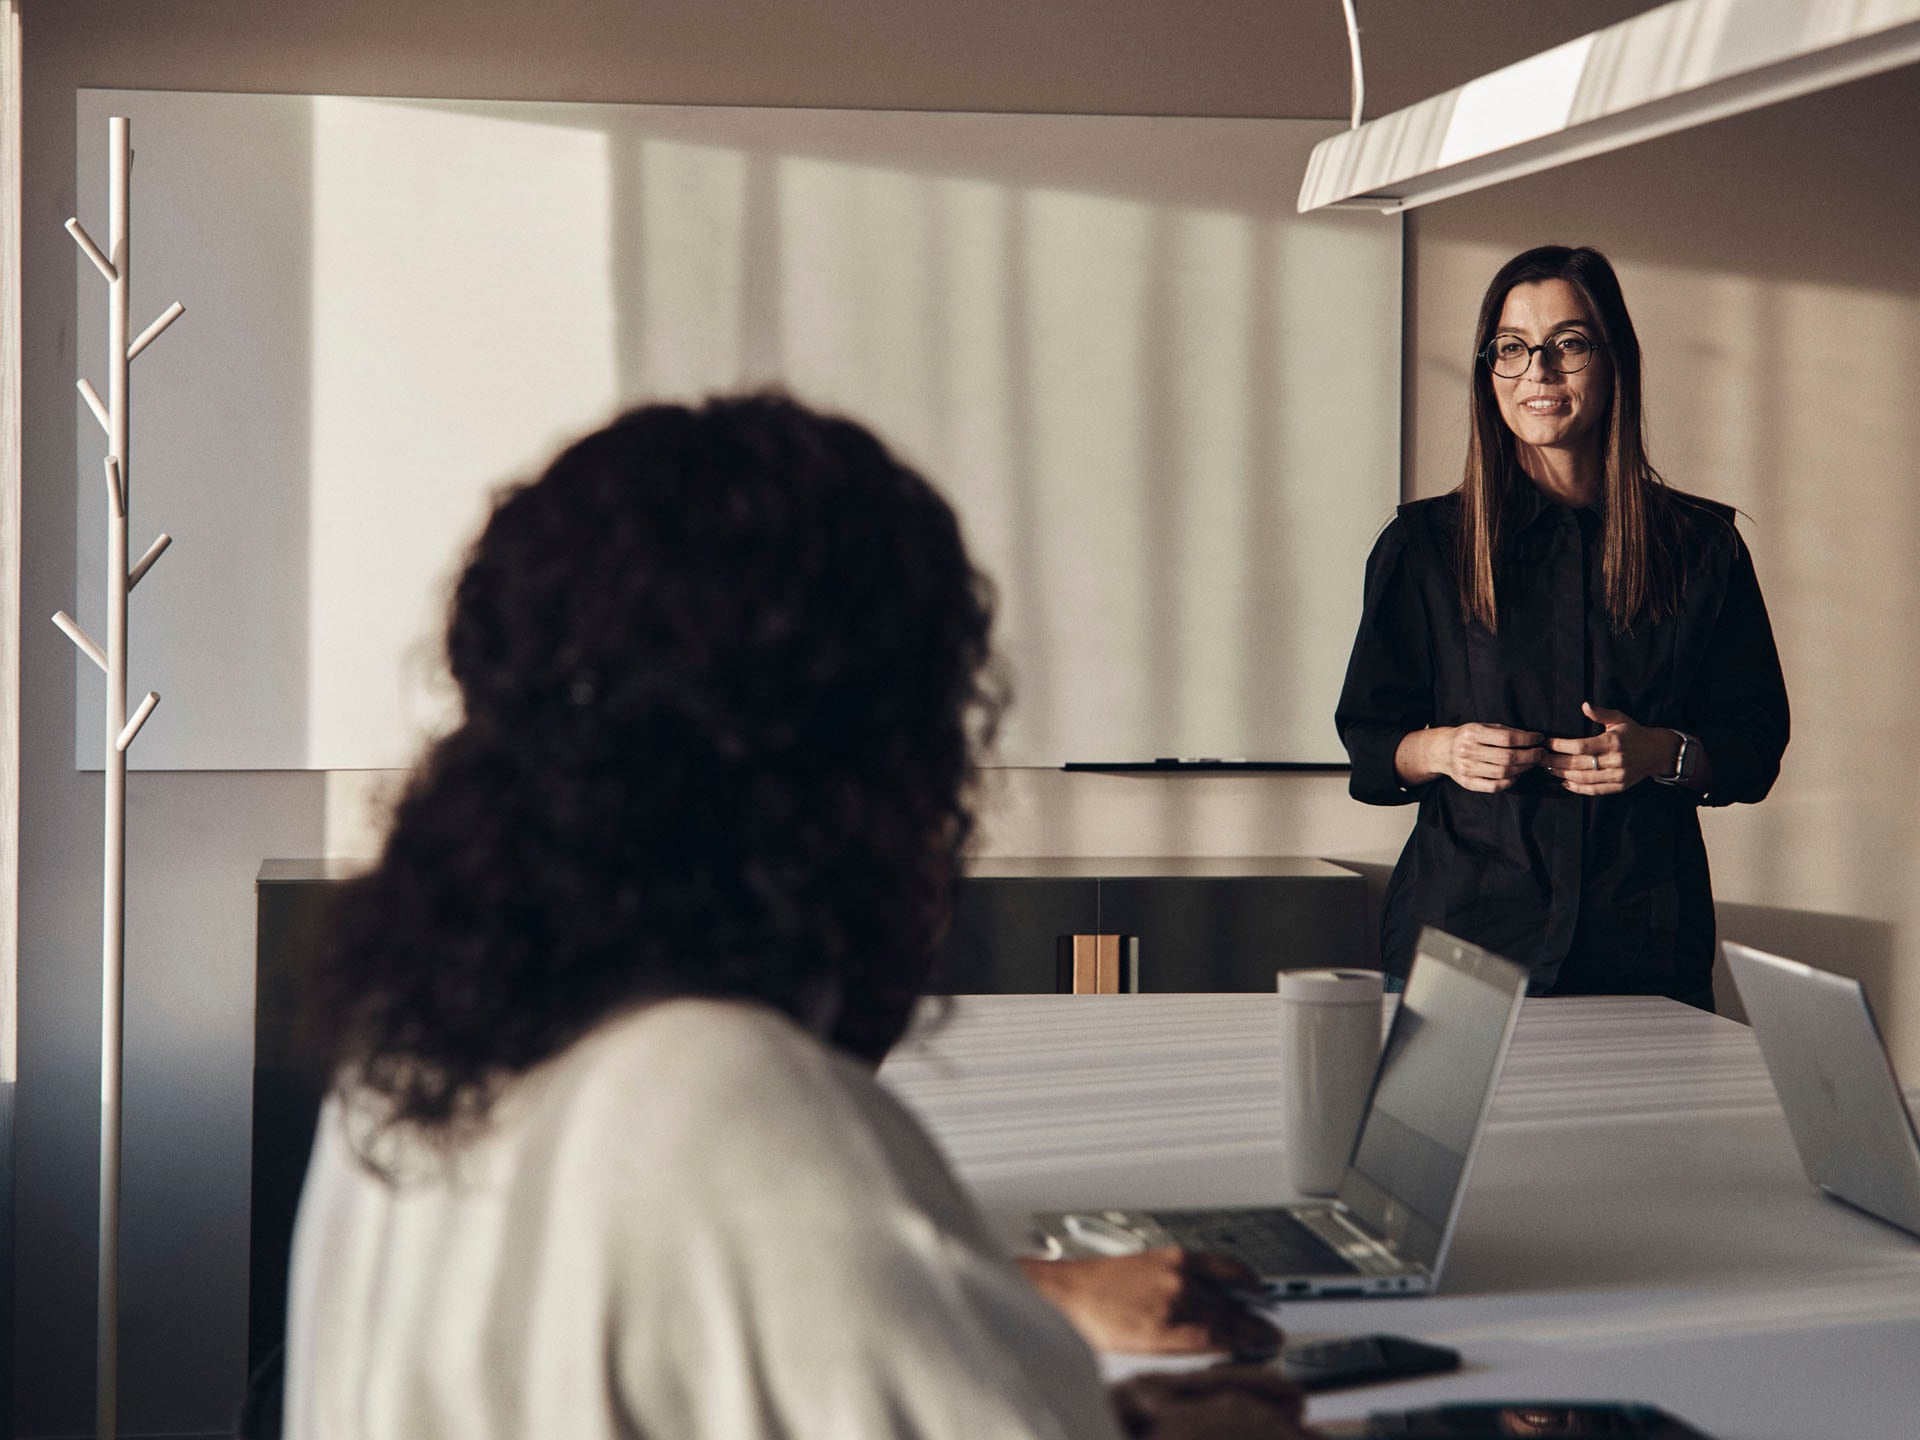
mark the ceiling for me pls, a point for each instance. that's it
(1202, 57)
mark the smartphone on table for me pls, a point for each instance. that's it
(1511, 1419)
(1351, 1360)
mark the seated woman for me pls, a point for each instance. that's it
(605, 1155)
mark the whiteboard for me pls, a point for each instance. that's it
(1166, 407)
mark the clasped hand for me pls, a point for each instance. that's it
(1491, 758)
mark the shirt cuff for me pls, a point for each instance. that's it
(1374, 778)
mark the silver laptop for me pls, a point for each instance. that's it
(1849, 1120)
(1387, 1230)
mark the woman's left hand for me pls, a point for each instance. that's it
(1620, 757)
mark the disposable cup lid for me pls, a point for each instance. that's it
(1331, 987)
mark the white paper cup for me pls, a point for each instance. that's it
(1329, 1045)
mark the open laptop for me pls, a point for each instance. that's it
(1849, 1120)
(1387, 1230)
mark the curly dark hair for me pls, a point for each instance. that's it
(725, 674)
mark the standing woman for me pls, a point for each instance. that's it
(1559, 662)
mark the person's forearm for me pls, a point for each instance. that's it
(1411, 759)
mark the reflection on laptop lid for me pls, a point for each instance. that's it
(1387, 1231)
(1431, 1093)
(1830, 1068)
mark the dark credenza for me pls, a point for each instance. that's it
(1195, 925)
(1199, 925)
(290, 897)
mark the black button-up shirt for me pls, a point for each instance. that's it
(1604, 894)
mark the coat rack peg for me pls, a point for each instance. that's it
(145, 562)
(94, 403)
(153, 332)
(85, 242)
(88, 645)
(139, 718)
(116, 492)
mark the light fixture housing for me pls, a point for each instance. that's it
(1679, 65)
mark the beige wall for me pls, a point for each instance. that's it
(1774, 283)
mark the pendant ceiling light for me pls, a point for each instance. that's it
(1676, 66)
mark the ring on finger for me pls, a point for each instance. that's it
(1596, 761)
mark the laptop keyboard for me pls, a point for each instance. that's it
(1272, 1242)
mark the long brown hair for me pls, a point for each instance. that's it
(1640, 529)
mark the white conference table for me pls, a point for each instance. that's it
(1637, 1225)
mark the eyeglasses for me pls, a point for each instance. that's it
(1568, 351)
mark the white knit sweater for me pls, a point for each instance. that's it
(696, 1222)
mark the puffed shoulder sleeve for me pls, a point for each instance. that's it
(1737, 704)
(1389, 684)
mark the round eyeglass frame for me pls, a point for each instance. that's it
(1486, 354)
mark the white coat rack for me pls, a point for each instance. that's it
(116, 265)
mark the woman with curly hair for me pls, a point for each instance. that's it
(604, 1154)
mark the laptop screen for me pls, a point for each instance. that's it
(1436, 1075)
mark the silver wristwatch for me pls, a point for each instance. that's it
(1685, 764)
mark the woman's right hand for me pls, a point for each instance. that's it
(1227, 1402)
(1166, 1301)
(1487, 758)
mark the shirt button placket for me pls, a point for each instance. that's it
(1568, 588)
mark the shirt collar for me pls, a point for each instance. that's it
(1529, 505)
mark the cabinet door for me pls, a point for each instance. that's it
(1006, 933)
(288, 1083)
(1201, 934)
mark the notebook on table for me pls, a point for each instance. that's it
(1830, 1068)
(1388, 1228)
